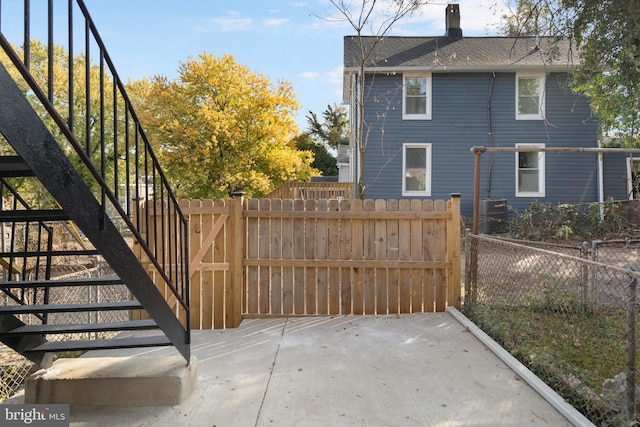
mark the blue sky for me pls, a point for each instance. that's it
(282, 39)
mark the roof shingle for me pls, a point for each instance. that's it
(468, 53)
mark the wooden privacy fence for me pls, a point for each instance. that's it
(313, 190)
(273, 257)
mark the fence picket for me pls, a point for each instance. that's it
(345, 253)
(333, 231)
(287, 253)
(440, 244)
(392, 254)
(357, 251)
(207, 289)
(416, 255)
(369, 236)
(276, 253)
(298, 253)
(195, 243)
(220, 285)
(252, 253)
(381, 254)
(322, 253)
(429, 231)
(310, 240)
(404, 252)
(264, 231)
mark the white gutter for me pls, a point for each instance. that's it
(460, 68)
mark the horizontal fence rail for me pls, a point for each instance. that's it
(273, 257)
(73, 85)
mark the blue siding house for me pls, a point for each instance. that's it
(428, 100)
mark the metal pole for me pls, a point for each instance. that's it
(630, 385)
(476, 191)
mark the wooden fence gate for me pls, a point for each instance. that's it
(272, 257)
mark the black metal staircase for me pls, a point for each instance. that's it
(76, 135)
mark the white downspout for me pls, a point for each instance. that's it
(601, 181)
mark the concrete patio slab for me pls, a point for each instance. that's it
(395, 370)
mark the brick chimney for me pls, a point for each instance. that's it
(452, 19)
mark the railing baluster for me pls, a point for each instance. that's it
(87, 86)
(27, 34)
(115, 140)
(71, 67)
(127, 171)
(50, 50)
(102, 141)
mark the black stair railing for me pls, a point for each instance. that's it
(78, 94)
(27, 252)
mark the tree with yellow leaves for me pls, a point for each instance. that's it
(220, 127)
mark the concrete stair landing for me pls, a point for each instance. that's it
(114, 381)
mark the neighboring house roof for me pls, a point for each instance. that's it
(459, 54)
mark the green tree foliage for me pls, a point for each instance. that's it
(220, 127)
(323, 160)
(607, 34)
(333, 130)
(89, 127)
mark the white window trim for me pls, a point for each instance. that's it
(427, 184)
(427, 115)
(541, 173)
(542, 97)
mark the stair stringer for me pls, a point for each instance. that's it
(24, 130)
(24, 343)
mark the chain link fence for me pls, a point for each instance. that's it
(14, 368)
(567, 312)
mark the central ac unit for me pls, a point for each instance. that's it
(493, 216)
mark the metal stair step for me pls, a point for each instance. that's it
(27, 284)
(14, 166)
(80, 328)
(130, 342)
(33, 215)
(70, 308)
(79, 252)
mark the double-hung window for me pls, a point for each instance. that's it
(530, 172)
(416, 170)
(530, 97)
(416, 96)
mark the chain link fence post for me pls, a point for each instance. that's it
(631, 348)
(471, 268)
(586, 283)
(467, 260)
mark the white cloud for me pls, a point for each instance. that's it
(274, 22)
(335, 75)
(234, 21)
(477, 18)
(309, 75)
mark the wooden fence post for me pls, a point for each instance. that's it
(236, 242)
(453, 248)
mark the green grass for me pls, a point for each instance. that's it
(573, 351)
